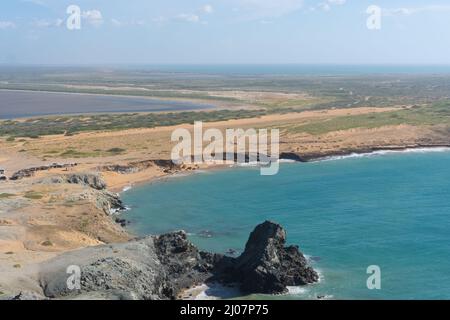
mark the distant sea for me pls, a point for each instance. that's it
(15, 104)
(390, 209)
(298, 69)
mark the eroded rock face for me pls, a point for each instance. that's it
(120, 271)
(29, 172)
(91, 180)
(185, 265)
(267, 266)
(151, 268)
(159, 267)
(109, 202)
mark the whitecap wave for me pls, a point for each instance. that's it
(386, 152)
(248, 164)
(297, 290)
(320, 273)
(287, 161)
(211, 291)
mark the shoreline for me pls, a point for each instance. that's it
(218, 291)
(335, 155)
(106, 225)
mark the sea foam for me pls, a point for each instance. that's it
(386, 152)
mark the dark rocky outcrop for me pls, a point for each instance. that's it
(121, 169)
(185, 265)
(151, 268)
(267, 266)
(122, 222)
(291, 156)
(138, 166)
(160, 267)
(29, 172)
(91, 180)
(108, 201)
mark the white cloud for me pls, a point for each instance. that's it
(48, 23)
(195, 16)
(160, 20)
(328, 4)
(7, 25)
(325, 6)
(120, 23)
(260, 9)
(116, 22)
(36, 2)
(93, 17)
(411, 11)
(188, 17)
(207, 8)
(337, 2)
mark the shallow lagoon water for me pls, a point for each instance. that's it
(390, 210)
(18, 104)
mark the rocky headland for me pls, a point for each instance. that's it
(161, 267)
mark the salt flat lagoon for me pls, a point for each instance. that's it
(17, 104)
(388, 209)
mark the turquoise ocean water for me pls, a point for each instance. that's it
(390, 210)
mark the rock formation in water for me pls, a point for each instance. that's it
(160, 267)
(267, 266)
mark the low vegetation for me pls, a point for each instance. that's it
(47, 243)
(438, 113)
(6, 195)
(35, 127)
(33, 195)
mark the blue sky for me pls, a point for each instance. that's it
(224, 31)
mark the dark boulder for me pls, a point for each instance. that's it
(267, 266)
(184, 263)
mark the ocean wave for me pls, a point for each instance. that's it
(126, 188)
(287, 161)
(297, 290)
(385, 152)
(248, 164)
(261, 164)
(320, 273)
(177, 175)
(211, 291)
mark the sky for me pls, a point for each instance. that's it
(225, 32)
